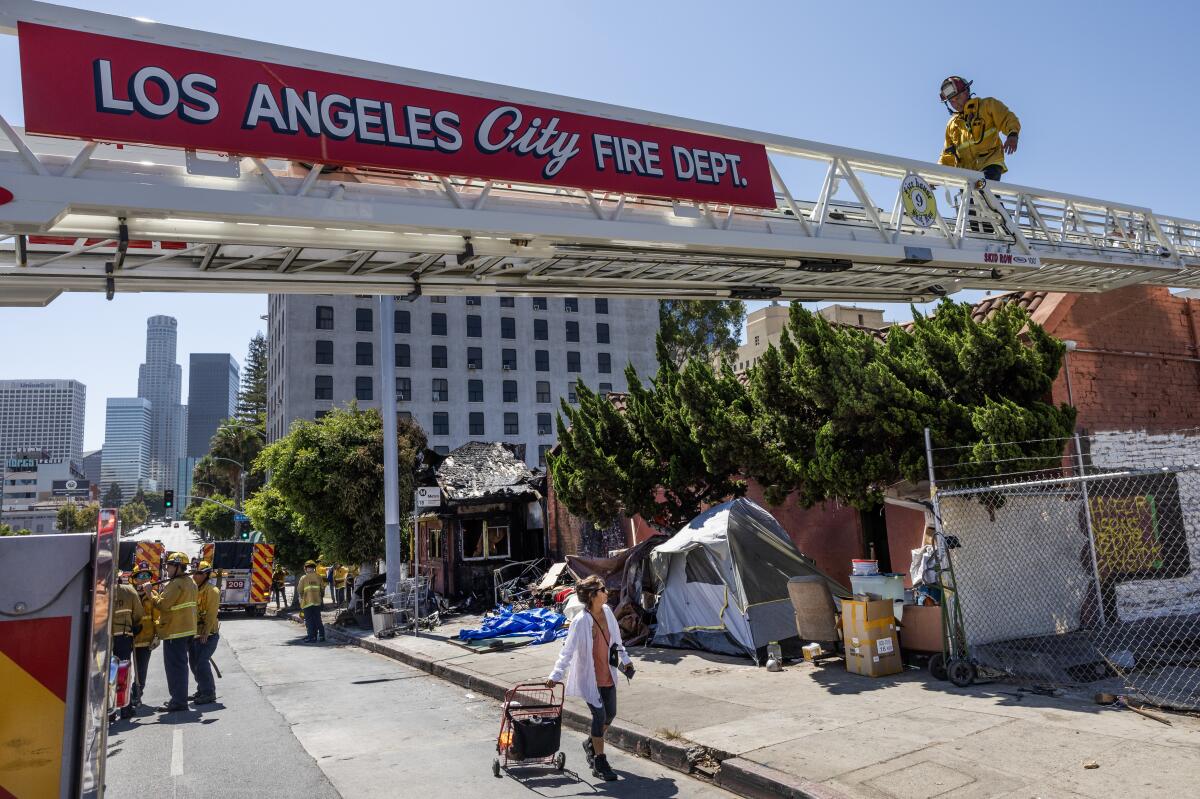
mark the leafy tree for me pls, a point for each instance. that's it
(837, 413)
(7, 530)
(700, 329)
(330, 472)
(65, 518)
(133, 514)
(644, 460)
(252, 398)
(112, 497)
(87, 516)
(833, 412)
(214, 516)
(283, 527)
(240, 442)
(211, 477)
(153, 500)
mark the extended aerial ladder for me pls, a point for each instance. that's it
(122, 213)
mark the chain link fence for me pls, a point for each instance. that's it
(1087, 575)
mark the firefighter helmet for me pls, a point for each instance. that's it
(178, 558)
(954, 86)
(203, 566)
(308, 563)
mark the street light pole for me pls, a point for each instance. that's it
(241, 497)
(391, 466)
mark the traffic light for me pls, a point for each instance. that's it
(168, 499)
(245, 535)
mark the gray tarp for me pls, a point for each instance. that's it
(724, 582)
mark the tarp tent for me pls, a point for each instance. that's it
(724, 583)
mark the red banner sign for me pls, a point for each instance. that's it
(87, 86)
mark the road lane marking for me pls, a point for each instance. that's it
(177, 754)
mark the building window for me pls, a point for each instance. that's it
(319, 415)
(441, 424)
(507, 302)
(508, 327)
(543, 391)
(572, 361)
(572, 398)
(402, 321)
(438, 357)
(602, 333)
(363, 320)
(474, 325)
(403, 389)
(604, 363)
(475, 423)
(545, 426)
(324, 351)
(442, 449)
(324, 317)
(601, 305)
(511, 427)
(508, 359)
(363, 355)
(510, 390)
(438, 299)
(541, 330)
(572, 331)
(437, 324)
(475, 391)
(362, 388)
(473, 300)
(482, 539)
(541, 360)
(571, 305)
(405, 415)
(474, 357)
(324, 387)
(540, 304)
(542, 450)
(441, 389)
(403, 358)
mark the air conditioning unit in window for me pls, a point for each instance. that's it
(508, 367)
(472, 365)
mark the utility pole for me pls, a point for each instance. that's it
(391, 466)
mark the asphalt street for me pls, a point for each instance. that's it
(329, 720)
(175, 539)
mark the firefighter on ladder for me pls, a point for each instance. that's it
(176, 627)
(208, 603)
(973, 132)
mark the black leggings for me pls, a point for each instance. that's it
(603, 716)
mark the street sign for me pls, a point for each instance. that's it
(241, 518)
(429, 497)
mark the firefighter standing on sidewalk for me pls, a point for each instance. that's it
(312, 589)
(208, 603)
(176, 627)
(974, 130)
(146, 640)
(126, 624)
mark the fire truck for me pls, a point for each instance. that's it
(134, 552)
(242, 571)
(56, 661)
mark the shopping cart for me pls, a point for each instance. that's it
(397, 612)
(530, 728)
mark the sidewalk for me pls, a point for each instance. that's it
(821, 732)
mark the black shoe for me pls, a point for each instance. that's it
(589, 752)
(204, 699)
(602, 770)
(171, 707)
(308, 640)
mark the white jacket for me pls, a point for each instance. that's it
(576, 656)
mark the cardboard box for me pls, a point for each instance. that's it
(921, 628)
(869, 635)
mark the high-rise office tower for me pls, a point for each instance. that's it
(128, 428)
(212, 398)
(42, 416)
(159, 381)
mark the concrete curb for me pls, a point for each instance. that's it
(735, 774)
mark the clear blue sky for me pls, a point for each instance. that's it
(1104, 91)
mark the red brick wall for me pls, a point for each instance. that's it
(905, 529)
(1130, 385)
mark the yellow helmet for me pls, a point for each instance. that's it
(178, 558)
(203, 566)
(308, 563)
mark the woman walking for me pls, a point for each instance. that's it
(590, 657)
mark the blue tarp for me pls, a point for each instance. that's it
(541, 624)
